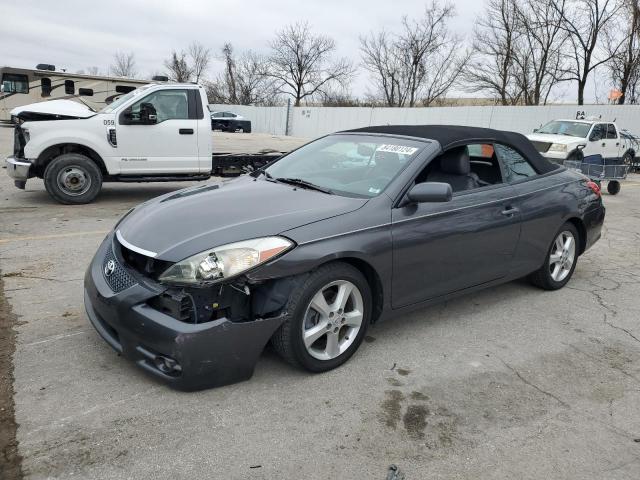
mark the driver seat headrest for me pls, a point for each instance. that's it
(456, 161)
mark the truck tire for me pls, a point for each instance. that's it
(73, 179)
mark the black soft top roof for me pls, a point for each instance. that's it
(449, 136)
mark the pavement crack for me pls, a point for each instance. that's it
(533, 385)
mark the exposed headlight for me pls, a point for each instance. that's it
(558, 147)
(226, 261)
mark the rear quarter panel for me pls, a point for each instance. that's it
(546, 203)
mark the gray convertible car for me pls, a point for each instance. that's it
(348, 230)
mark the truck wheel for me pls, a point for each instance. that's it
(613, 187)
(72, 179)
(627, 159)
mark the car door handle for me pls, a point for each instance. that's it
(186, 131)
(617, 144)
(508, 211)
(604, 144)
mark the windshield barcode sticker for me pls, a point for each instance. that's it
(404, 150)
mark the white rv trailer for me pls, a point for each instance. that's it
(23, 86)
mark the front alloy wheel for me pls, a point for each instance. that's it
(332, 320)
(327, 317)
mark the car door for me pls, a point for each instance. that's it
(537, 198)
(441, 248)
(158, 134)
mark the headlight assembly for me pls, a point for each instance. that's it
(558, 147)
(220, 263)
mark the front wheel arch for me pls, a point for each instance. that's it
(54, 151)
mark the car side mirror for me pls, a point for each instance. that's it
(594, 137)
(428, 192)
(535, 130)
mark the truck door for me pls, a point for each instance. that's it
(614, 143)
(159, 134)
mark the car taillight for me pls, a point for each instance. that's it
(594, 186)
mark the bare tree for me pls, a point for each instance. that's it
(178, 68)
(624, 66)
(244, 80)
(421, 63)
(539, 50)
(587, 22)
(380, 57)
(124, 65)
(494, 68)
(93, 70)
(301, 63)
(200, 59)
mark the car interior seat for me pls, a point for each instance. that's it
(453, 167)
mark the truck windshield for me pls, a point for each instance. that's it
(349, 165)
(119, 101)
(562, 127)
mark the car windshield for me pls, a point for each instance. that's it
(350, 165)
(565, 127)
(123, 99)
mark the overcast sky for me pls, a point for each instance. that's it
(76, 34)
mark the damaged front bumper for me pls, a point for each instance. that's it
(188, 356)
(19, 170)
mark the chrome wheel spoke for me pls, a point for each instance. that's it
(320, 305)
(353, 318)
(333, 345)
(555, 258)
(344, 292)
(314, 333)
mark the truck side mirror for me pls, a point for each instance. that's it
(595, 136)
(148, 113)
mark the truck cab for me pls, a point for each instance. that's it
(564, 139)
(158, 132)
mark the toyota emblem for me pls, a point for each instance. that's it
(109, 268)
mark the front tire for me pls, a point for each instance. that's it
(72, 179)
(328, 317)
(561, 260)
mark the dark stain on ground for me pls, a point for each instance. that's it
(12, 274)
(404, 371)
(415, 421)
(391, 408)
(419, 396)
(10, 459)
(394, 382)
(369, 339)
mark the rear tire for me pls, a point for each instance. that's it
(613, 187)
(560, 263)
(72, 179)
(319, 341)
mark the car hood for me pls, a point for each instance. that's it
(186, 222)
(551, 138)
(52, 110)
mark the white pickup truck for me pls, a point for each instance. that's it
(158, 132)
(561, 140)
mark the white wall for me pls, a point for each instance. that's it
(311, 122)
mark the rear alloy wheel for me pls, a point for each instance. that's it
(329, 315)
(561, 260)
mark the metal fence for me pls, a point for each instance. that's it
(311, 122)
